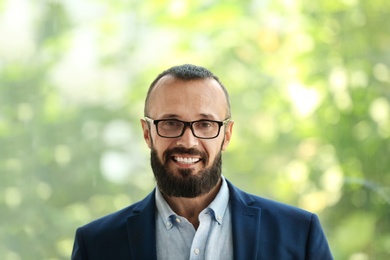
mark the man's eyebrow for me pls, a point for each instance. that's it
(201, 116)
(207, 116)
(168, 116)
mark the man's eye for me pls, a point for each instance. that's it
(171, 123)
(205, 124)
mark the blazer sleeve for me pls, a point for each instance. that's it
(317, 246)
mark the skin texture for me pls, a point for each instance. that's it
(188, 101)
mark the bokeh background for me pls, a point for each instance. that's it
(309, 84)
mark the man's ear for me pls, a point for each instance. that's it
(146, 132)
(228, 134)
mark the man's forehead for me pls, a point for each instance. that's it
(209, 116)
(168, 82)
(200, 95)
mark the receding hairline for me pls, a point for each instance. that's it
(187, 72)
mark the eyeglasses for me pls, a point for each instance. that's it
(173, 128)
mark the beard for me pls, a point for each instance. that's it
(185, 184)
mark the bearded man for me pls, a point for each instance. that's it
(195, 212)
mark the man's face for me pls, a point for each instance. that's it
(186, 166)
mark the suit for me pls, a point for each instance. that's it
(262, 229)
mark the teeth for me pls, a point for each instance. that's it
(186, 160)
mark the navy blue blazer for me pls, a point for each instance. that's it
(262, 229)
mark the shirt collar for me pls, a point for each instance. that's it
(164, 210)
(217, 206)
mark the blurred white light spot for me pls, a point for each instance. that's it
(380, 110)
(85, 11)
(350, 2)
(339, 87)
(305, 100)
(25, 112)
(308, 148)
(303, 42)
(79, 212)
(315, 201)
(44, 191)
(361, 130)
(338, 79)
(266, 127)
(115, 166)
(298, 171)
(62, 154)
(381, 72)
(359, 256)
(81, 77)
(359, 79)
(333, 179)
(12, 196)
(78, 69)
(11, 255)
(178, 8)
(64, 246)
(16, 29)
(14, 164)
(117, 133)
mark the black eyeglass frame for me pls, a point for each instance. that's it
(188, 124)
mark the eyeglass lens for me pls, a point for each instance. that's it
(175, 128)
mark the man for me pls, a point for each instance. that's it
(194, 212)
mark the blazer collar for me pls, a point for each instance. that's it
(141, 226)
(245, 224)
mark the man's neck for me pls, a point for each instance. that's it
(190, 208)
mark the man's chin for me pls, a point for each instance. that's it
(180, 173)
(184, 170)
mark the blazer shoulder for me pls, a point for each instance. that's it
(115, 221)
(108, 236)
(282, 230)
(267, 206)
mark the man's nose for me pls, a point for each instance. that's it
(187, 139)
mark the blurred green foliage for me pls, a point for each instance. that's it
(310, 89)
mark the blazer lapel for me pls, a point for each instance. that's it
(141, 227)
(245, 224)
(141, 230)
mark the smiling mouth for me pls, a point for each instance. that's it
(186, 160)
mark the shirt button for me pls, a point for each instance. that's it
(178, 220)
(219, 218)
(197, 251)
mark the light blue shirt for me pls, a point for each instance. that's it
(177, 238)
